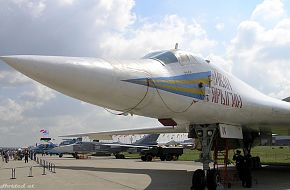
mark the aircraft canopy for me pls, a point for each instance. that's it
(173, 56)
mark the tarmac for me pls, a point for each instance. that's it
(108, 173)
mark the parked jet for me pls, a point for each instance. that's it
(101, 148)
(45, 148)
(184, 92)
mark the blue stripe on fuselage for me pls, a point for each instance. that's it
(158, 80)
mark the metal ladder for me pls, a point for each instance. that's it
(221, 158)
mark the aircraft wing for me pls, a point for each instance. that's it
(108, 134)
(127, 145)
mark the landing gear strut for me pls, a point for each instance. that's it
(205, 177)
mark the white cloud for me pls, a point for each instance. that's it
(158, 35)
(259, 52)
(36, 97)
(29, 94)
(12, 78)
(220, 26)
(72, 28)
(66, 2)
(35, 8)
(220, 61)
(269, 11)
(248, 33)
(116, 14)
(10, 111)
(39, 92)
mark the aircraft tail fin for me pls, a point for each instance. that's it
(150, 139)
(287, 99)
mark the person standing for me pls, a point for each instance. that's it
(3, 156)
(26, 155)
(6, 156)
(240, 165)
(248, 171)
(11, 154)
(34, 156)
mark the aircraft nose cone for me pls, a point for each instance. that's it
(18, 62)
(8, 59)
(83, 78)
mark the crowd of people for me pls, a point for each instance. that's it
(17, 155)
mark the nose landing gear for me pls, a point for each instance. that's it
(206, 177)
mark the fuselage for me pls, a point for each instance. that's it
(169, 84)
(83, 148)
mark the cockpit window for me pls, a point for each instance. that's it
(152, 54)
(166, 57)
(185, 58)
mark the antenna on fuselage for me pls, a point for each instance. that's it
(176, 46)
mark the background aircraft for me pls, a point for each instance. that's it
(101, 148)
(184, 92)
(44, 148)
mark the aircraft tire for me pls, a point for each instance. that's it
(118, 156)
(143, 158)
(162, 158)
(175, 157)
(149, 158)
(76, 155)
(211, 180)
(168, 157)
(198, 180)
(60, 155)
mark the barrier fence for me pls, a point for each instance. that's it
(13, 173)
(46, 165)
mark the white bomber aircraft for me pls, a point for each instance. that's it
(184, 92)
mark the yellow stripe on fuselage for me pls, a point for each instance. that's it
(192, 81)
(182, 89)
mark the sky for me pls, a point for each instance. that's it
(250, 39)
